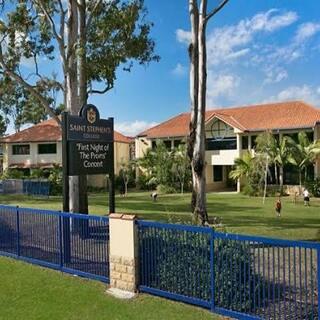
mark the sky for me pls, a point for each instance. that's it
(258, 51)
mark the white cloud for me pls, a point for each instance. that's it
(133, 128)
(180, 70)
(233, 41)
(183, 36)
(275, 74)
(306, 31)
(221, 85)
(305, 92)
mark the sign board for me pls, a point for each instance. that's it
(89, 142)
(89, 157)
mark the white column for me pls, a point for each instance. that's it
(239, 151)
(316, 136)
(249, 143)
(123, 252)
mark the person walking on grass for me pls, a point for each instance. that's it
(278, 207)
(306, 197)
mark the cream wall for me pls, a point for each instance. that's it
(121, 154)
(30, 159)
(142, 144)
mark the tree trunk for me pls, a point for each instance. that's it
(126, 187)
(194, 74)
(72, 92)
(83, 194)
(265, 181)
(300, 181)
(198, 161)
(281, 179)
(276, 173)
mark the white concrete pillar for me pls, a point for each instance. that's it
(316, 136)
(249, 143)
(123, 252)
(239, 153)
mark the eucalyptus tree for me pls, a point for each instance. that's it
(199, 18)
(92, 38)
(304, 153)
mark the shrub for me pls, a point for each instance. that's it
(180, 263)
(145, 183)
(314, 187)
(165, 189)
(12, 174)
(251, 190)
(55, 179)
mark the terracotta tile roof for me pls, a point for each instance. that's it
(49, 131)
(272, 116)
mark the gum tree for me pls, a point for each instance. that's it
(90, 39)
(199, 18)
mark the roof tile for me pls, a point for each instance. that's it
(49, 131)
(271, 116)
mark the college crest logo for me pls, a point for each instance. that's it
(91, 115)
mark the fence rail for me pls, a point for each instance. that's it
(236, 275)
(240, 276)
(23, 186)
(72, 243)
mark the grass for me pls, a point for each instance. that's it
(239, 213)
(31, 292)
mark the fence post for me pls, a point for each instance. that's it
(18, 232)
(212, 269)
(123, 253)
(66, 237)
(60, 240)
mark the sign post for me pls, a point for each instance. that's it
(87, 149)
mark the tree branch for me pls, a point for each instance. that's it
(95, 6)
(107, 88)
(28, 87)
(216, 10)
(59, 37)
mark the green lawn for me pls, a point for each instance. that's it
(239, 213)
(32, 292)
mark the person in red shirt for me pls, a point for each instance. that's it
(278, 207)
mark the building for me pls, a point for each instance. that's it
(40, 146)
(230, 131)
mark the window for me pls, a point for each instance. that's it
(217, 173)
(18, 149)
(177, 143)
(167, 143)
(310, 136)
(245, 142)
(224, 144)
(253, 141)
(154, 144)
(47, 148)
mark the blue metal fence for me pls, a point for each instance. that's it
(72, 243)
(36, 188)
(240, 276)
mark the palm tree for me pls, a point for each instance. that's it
(283, 157)
(304, 153)
(267, 144)
(243, 165)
